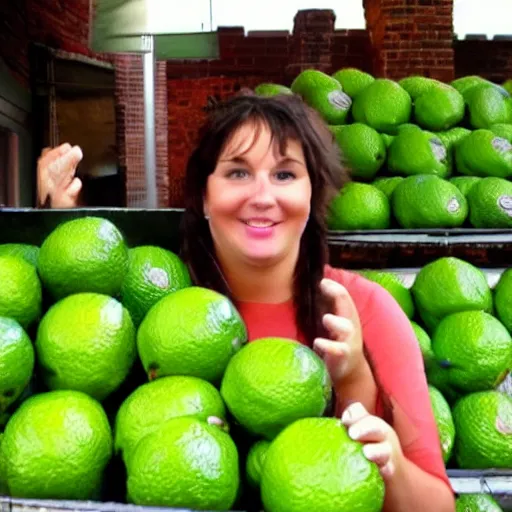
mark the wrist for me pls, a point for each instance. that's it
(359, 373)
(400, 462)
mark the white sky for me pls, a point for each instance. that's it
(470, 16)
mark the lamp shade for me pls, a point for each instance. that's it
(177, 28)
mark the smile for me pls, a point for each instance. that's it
(259, 223)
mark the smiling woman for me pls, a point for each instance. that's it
(258, 186)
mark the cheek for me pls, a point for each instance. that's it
(299, 205)
(221, 200)
(226, 205)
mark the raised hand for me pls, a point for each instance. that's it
(56, 179)
(343, 353)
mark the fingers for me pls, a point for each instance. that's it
(343, 305)
(353, 413)
(74, 189)
(369, 429)
(324, 347)
(62, 169)
(373, 432)
(340, 328)
(50, 154)
(380, 453)
(67, 197)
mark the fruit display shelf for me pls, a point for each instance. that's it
(497, 483)
(405, 248)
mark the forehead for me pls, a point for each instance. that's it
(256, 138)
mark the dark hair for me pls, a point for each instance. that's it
(287, 117)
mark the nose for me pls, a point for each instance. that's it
(263, 196)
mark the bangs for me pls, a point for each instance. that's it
(281, 132)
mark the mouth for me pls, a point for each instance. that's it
(260, 223)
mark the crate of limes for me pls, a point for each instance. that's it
(122, 384)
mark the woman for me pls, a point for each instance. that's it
(257, 189)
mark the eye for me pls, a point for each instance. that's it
(285, 175)
(237, 174)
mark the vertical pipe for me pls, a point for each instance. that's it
(149, 121)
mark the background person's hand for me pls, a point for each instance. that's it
(56, 178)
(343, 354)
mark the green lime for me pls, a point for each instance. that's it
(394, 285)
(56, 446)
(353, 80)
(362, 149)
(16, 361)
(490, 203)
(153, 403)
(359, 206)
(193, 331)
(28, 252)
(86, 342)
(314, 465)
(270, 89)
(383, 105)
(483, 422)
(186, 463)
(427, 201)
(88, 254)
(444, 422)
(20, 291)
(153, 273)
(474, 349)
(255, 461)
(266, 398)
(448, 285)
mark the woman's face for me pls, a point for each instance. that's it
(258, 200)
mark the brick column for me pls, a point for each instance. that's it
(411, 37)
(130, 128)
(311, 43)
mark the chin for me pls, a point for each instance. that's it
(261, 259)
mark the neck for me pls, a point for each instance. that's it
(264, 284)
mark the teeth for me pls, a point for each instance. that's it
(258, 224)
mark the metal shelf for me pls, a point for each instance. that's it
(495, 482)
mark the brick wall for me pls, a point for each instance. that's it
(491, 59)
(411, 37)
(62, 24)
(280, 56)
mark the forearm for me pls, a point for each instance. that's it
(360, 388)
(411, 488)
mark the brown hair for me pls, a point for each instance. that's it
(287, 117)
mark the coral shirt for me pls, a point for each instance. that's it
(391, 343)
